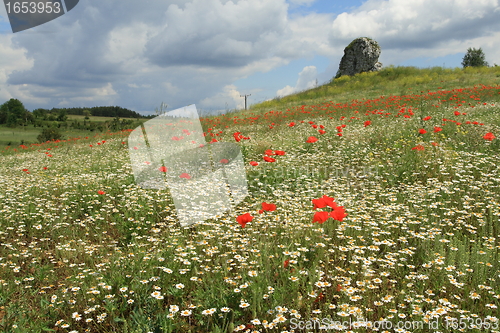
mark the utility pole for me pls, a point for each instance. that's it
(245, 99)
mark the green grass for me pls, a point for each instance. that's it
(420, 242)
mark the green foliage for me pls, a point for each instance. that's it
(49, 134)
(474, 58)
(13, 113)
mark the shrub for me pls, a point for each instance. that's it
(49, 134)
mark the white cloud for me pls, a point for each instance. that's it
(401, 24)
(307, 80)
(229, 97)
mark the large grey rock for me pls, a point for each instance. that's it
(360, 56)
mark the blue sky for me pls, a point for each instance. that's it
(209, 52)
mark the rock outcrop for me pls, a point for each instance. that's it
(360, 56)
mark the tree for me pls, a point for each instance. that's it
(474, 58)
(13, 113)
(62, 116)
(86, 113)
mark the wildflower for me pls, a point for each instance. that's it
(279, 152)
(367, 123)
(268, 207)
(418, 147)
(427, 118)
(437, 129)
(244, 219)
(163, 169)
(253, 163)
(422, 131)
(489, 136)
(320, 217)
(224, 161)
(208, 311)
(311, 139)
(186, 313)
(323, 202)
(173, 308)
(179, 286)
(269, 159)
(101, 192)
(252, 273)
(185, 175)
(291, 124)
(338, 213)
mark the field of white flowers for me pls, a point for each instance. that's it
(416, 244)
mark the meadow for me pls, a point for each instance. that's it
(373, 206)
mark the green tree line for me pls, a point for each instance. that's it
(13, 113)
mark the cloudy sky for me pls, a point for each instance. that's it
(137, 54)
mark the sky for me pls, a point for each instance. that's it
(138, 54)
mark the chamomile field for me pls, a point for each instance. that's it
(374, 205)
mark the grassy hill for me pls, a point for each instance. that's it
(372, 198)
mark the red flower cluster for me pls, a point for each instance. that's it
(489, 136)
(337, 212)
(238, 137)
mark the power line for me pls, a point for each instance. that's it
(245, 99)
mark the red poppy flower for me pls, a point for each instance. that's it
(368, 122)
(489, 136)
(315, 126)
(422, 131)
(427, 118)
(268, 207)
(253, 163)
(291, 124)
(162, 169)
(339, 134)
(437, 129)
(269, 159)
(418, 147)
(321, 131)
(279, 152)
(457, 113)
(25, 170)
(286, 263)
(224, 161)
(244, 219)
(185, 175)
(320, 217)
(45, 168)
(338, 213)
(237, 136)
(269, 152)
(101, 192)
(323, 202)
(311, 139)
